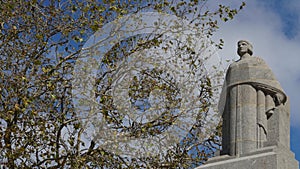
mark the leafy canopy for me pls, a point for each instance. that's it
(40, 42)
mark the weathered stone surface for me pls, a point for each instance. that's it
(256, 118)
(274, 158)
(279, 127)
(251, 94)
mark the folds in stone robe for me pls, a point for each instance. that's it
(249, 97)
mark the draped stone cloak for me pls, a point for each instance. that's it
(249, 97)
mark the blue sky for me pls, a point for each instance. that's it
(273, 28)
(287, 14)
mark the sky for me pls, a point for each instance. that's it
(272, 26)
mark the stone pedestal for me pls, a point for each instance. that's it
(264, 158)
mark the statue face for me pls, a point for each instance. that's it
(243, 48)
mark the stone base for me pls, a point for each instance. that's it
(266, 158)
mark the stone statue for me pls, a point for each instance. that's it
(256, 117)
(251, 95)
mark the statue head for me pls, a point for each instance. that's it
(244, 47)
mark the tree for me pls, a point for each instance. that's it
(40, 43)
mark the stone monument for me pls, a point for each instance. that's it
(256, 117)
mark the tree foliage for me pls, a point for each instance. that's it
(40, 42)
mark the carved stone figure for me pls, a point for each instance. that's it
(250, 97)
(256, 117)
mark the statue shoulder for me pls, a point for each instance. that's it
(259, 59)
(253, 60)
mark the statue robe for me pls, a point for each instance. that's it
(249, 97)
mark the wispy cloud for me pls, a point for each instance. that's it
(288, 13)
